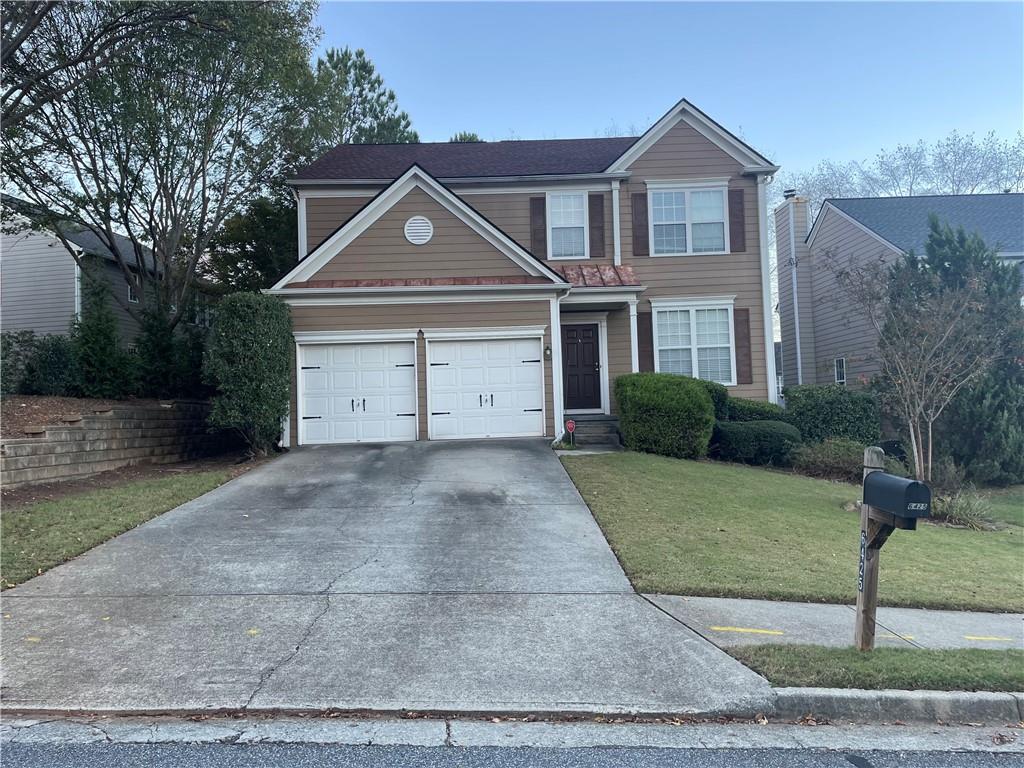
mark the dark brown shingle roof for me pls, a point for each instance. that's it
(454, 160)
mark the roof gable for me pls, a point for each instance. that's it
(419, 188)
(752, 160)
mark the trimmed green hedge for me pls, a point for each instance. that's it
(831, 410)
(838, 458)
(719, 397)
(755, 442)
(742, 409)
(665, 414)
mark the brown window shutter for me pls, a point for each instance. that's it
(744, 359)
(596, 216)
(538, 227)
(645, 340)
(737, 222)
(640, 239)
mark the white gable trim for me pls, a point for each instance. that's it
(828, 207)
(414, 178)
(751, 160)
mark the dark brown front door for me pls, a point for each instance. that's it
(582, 366)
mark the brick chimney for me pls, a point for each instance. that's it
(792, 224)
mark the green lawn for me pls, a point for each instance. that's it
(36, 537)
(963, 669)
(1007, 504)
(708, 528)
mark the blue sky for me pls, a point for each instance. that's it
(800, 81)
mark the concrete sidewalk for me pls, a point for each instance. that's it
(728, 622)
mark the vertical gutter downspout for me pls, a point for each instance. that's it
(616, 235)
(796, 301)
(766, 289)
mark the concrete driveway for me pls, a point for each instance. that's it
(449, 577)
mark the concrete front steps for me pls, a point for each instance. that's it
(595, 430)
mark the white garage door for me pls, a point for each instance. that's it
(354, 393)
(487, 388)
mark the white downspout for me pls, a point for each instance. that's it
(556, 369)
(301, 201)
(616, 234)
(766, 290)
(796, 301)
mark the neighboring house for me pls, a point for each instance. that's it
(40, 282)
(836, 343)
(490, 289)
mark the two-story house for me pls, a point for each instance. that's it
(826, 338)
(496, 289)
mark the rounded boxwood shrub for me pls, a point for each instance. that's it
(665, 414)
(742, 409)
(248, 361)
(719, 397)
(838, 458)
(755, 442)
(831, 410)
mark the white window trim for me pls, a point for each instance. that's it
(704, 302)
(132, 292)
(600, 319)
(586, 224)
(835, 370)
(693, 185)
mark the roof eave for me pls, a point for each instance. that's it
(465, 179)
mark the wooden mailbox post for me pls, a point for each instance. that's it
(889, 502)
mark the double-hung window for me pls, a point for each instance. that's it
(840, 369)
(133, 296)
(567, 225)
(695, 338)
(688, 219)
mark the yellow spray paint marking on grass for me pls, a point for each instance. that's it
(252, 632)
(33, 639)
(986, 638)
(748, 630)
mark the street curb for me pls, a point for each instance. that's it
(858, 705)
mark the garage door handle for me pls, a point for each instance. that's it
(364, 403)
(532, 410)
(481, 401)
(306, 418)
(353, 405)
(439, 363)
(440, 413)
(311, 367)
(405, 414)
(405, 365)
(492, 399)
(530, 361)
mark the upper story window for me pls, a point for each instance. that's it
(695, 338)
(688, 219)
(133, 297)
(567, 225)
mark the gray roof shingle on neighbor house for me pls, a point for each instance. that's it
(451, 160)
(903, 221)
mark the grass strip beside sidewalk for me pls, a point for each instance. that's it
(961, 669)
(39, 536)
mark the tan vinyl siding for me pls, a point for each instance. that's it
(620, 359)
(805, 298)
(38, 284)
(470, 315)
(840, 329)
(684, 154)
(382, 252)
(510, 212)
(325, 214)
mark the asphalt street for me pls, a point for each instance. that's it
(323, 755)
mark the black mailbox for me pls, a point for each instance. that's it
(898, 496)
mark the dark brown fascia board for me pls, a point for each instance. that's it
(464, 179)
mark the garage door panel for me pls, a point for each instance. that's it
(491, 388)
(358, 392)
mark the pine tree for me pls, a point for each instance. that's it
(102, 367)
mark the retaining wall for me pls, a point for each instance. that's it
(102, 440)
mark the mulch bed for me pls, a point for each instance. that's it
(20, 411)
(237, 463)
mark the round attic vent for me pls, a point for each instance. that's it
(419, 230)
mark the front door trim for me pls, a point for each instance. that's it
(590, 318)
